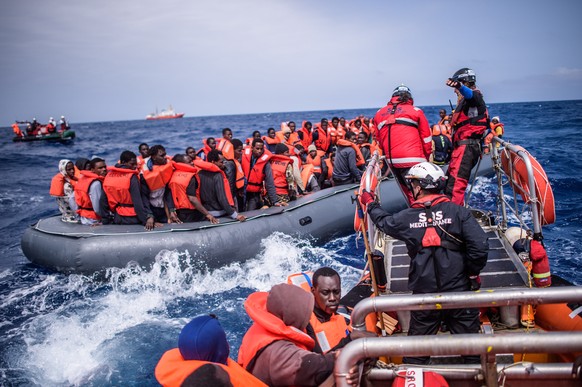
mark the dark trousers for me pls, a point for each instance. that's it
(428, 322)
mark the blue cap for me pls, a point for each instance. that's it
(204, 339)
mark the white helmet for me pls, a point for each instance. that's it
(428, 175)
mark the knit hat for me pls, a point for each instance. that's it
(204, 339)
(311, 147)
(281, 148)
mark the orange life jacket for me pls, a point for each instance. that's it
(116, 187)
(159, 176)
(204, 150)
(307, 136)
(240, 175)
(439, 129)
(255, 175)
(498, 127)
(306, 173)
(17, 130)
(329, 168)
(82, 197)
(322, 142)
(294, 139)
(271, 141)
(208, 166)
(303, 280)
(279, 165)
(140, 162)
(58, 185)
(172, 370)
(181, 178)
(329, 333)
(316, 162)
(225, 146)
(266, 329)
(359, 158)
(335, 133)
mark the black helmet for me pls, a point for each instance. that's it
(401, 91)
(465, 75)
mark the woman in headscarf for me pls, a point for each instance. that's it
(62, 188)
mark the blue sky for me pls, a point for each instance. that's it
(119, 60)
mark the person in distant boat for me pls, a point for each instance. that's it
(270, 140)
(276, 349)
(348, 160)
(259, 175)
(282, 166)
(202, 359)
(62, 188)
(326, 327)
(442, 147)
(224, 145)
(156, 174)
(123, 189)
(208, 145)
(34, 128)
(447, 248)
(51, 127)
(144, 153)
(235, 175)
(470, 122)
(214, 189)
(404, 135)
(90, 199)
(63, 124)
(184, 186)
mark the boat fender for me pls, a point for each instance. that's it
(540, 265)
(418, 377)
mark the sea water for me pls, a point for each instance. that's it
(60, 330)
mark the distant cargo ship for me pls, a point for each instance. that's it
(164, 115)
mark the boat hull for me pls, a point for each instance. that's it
(68, 135)
(174, 116)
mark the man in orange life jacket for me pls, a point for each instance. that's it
(122, 187)
(225, 145)
(470, 121)
(270, 140)
(202, 359)
(326, 327)
(235, 175)
(155, 176)
(209, 144)
(316, 158)
(258, 172)
(184, 187)
(447, 249)
(282, 167)
(90, 198)
(144, 150)
(404, 134)
(214, 188)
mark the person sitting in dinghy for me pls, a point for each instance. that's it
(201, 359)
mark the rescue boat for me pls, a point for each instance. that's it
(320, 216)
(531, 322)
(165, 114)
(66, 136)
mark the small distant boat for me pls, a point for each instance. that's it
(164, 115)
(56, 136)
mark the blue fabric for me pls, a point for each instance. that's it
(466, 92)
(204, 339)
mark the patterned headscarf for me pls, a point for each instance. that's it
(63, 167)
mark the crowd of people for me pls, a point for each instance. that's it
(36, 129)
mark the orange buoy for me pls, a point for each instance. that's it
(513, 165)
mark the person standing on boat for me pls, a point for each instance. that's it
(63, 124)
(235, 175)
(62, 188)
(348, 159)
(470, 122)
(447, 249)
(404, 135)
(326, 327)
(184, 187)
(123, 190)
(202, 359)
(156, 174)
(259, 175)
(90, 198)
(225, 145)
(214, 188)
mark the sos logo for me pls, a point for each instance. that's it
(435, 215)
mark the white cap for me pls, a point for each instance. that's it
(496, 118)
(62, 116)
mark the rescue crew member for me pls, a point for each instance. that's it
(122, 187)
(447, 249)
(214, 189)
(63, 124)
(276, 348)
(259, 176)
(347, 160)
(224, 144)
(184, 187)
(470, 121)
(282, 166)
(156, 174)
(51, 127)
(404, 135)
(326, 327)
(202, 346)
(90, 198)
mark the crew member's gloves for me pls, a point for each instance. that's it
(366, 198)
(475, 282)
(456, 84)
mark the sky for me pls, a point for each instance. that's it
(112, 60)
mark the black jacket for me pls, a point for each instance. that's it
(436, 268)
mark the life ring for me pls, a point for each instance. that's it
(514, 166)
